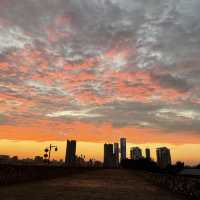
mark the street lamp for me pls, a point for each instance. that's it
(47, 151)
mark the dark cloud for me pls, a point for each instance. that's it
(2, 119)
(6, 120)
(170, 81)
(121, 58)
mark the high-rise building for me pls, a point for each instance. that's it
(136, 153)
(163, 157)
(108, 156)
(116, 154)
(123, 148)
(70, 157)
(148, 154)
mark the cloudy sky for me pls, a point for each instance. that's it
(96, 70)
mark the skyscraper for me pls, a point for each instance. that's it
(116, 154)
(136, 153)
(70, 156)
(163, 157)
(148, 154)
(123, 148)
(108, 156)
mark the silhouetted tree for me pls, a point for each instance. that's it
(198, 166)
(141, 164)
(174, 169)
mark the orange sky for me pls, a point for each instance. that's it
(44, 130)
(30, 141)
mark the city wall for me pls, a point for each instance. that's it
(189, 186)
(11, 174)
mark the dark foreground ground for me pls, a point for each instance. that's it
(97, 185)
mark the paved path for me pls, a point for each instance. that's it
(92, 185)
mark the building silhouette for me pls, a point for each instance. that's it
(4, 159)
(109, 161)
(116, 154)
(148, 154)
(70, 157)
(163, 157)
(136, 153)
(123, 148)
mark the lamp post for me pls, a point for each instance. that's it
(47, 151)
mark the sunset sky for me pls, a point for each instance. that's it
(98, 70)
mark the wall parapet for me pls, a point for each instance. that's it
(186, 185)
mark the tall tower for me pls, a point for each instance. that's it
(136, 153)
(163, 157)
(116, 154)
(70, 156)
(123, 148)
(108, 156)
(148, 154)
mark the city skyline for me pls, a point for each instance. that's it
(97, 70)
(95, 150)
(114, 156)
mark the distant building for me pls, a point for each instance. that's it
(116, 154)
(70, 157)
(80, 161)
(123, 148)
(136, 153)
(4, 159)
(148, 154)
(163, 157)
(38, 160)
(27, 161)
(98, 164)
(108, 156)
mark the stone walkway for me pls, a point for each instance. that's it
(92, 185)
